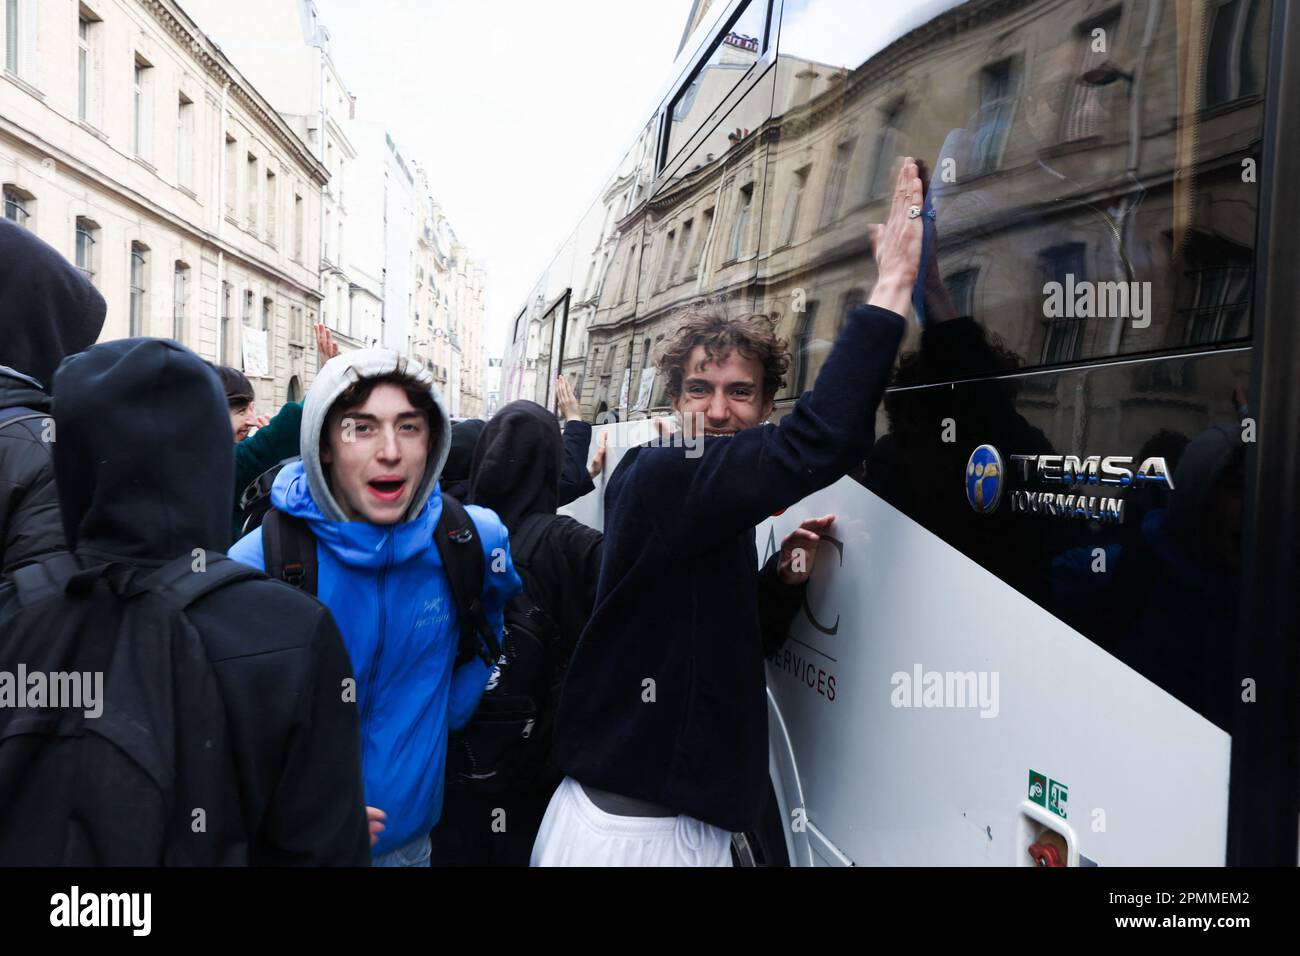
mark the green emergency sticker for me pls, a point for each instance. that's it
(1057, 794)
(1038, 788)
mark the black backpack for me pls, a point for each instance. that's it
(255, 500)
(506, 744)
(117, 779)
(289, 548)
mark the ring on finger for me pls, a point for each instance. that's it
(913, 212)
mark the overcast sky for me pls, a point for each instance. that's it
(518, 109)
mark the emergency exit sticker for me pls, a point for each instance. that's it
(1057, 793)
(1038, 788)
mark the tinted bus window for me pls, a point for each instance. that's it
(1092, 171)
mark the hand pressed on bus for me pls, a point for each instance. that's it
(897, 244)
(799, 549)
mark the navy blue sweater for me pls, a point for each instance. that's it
(677, 599)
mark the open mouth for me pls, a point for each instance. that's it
(387, 489)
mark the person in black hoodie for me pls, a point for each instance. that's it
(144, 465)
(48, 310)
(516, 470)
(455, 473)
(662, 725)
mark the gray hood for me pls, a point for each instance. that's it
(334, 378)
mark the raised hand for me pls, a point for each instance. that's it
(897, 244)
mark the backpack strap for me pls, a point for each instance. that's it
(526, 536)
(179, 584)
(458, 545)
(289, 550)
(18, 413)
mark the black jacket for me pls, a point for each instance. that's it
(678, 597)
(48, 310)
(144, 465)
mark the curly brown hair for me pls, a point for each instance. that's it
(707, 324)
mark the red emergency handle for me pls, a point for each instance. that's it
(1044, 854)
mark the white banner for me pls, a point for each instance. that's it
(627, 381)
(647, 385)
(255, 362)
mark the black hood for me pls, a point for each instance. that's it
(143, 461)
(516, 470)
(455, 473)
(48, 308)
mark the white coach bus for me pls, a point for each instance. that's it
(1056, 620)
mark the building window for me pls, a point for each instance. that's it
(87, 67)
(1085, 114)
(224, 333)
(802, 349)
(961, 291)
(18, 205)
(1063, 341)
(793, 200)
(666, 259)
(299, 224)
(232, 175)
(139, 278)
(744, 203)
(683, 245)
(142, 93)
(12, 25)
(87, 232)
(248, 308)
(272, 194)
(835, 185)
(21, 38)
(268, 307)
(180, 283)
(1232, 70)
(993, 122)
(706, 229)
(252, 182)
(886, 149)
(185, 141)
(629, 267)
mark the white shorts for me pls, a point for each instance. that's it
(576, 832)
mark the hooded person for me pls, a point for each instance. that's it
(143, 465)
(455, 473)
(48, 310)
(374, 439)
(516, 470)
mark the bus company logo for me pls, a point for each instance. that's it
(985, 479)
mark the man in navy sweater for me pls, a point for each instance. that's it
(662, 726)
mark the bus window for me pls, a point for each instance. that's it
(1092, 172)
(731, 58)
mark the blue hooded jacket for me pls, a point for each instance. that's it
(390, 597)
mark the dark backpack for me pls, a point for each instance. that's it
(255, 500)
(506, 744)
(148, 778)
(289, 548)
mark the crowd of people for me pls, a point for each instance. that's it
(361, 634)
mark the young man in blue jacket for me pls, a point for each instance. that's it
(665, 778)
(374, 439)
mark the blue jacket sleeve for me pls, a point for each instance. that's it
(248, 550)
(500, 583)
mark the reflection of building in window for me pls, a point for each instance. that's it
(885, 151)
(744, 202)
(835, 183)
(1084, 115)
(993, 122)
(682, 245)
(706, 229)
(961, 290)
(629, 267)
(1064, 339)
(793, 200)
(802, 349)
(1219, 280)
(666, 259)
(1231, 70)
